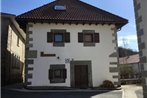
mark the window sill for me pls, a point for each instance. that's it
(57, 80)
(58, 44)
(86, 44)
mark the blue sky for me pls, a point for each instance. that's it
(123, 8)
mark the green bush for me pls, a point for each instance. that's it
(107, 84)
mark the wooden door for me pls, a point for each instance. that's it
(81, 76)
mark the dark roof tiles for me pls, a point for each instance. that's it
(75, 11)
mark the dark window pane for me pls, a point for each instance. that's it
(57, 73)
(88, 37)
(58, 38)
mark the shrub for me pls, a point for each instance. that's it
(107, 84)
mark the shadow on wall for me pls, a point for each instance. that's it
(11, 69)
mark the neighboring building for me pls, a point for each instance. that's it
(141, 25)
(12, 50)
(70, 43)
(133, 62)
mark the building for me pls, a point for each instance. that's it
(141, 23)
(133, 62)
(71, 44)
(12, 50)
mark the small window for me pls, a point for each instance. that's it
(59, 7)
(58, 37)
(18, 41)
(88, 37)
(57, 74)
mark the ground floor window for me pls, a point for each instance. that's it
(57, 74)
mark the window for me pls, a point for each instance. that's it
(60, 7)
(88, 37)
(58, 37)
(18, 41)
(57, 74)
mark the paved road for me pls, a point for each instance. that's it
(17, 94)
(132, 91)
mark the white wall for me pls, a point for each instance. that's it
(99, 55)
(12, 44)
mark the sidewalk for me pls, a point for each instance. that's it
(132, 91)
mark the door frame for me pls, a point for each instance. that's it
(72, 72)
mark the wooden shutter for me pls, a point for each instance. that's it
(51, 72)
(96, 38)
(64, 74)
(80, 37)
(49, 37)
(67, 37)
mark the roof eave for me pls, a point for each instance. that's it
(119, 24)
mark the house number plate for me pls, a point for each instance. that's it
(67, 60)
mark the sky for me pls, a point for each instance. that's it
(126, 37)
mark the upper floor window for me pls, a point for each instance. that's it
(58, 37)
(88, 37)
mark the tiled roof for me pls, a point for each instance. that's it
(129, 60)
(76, 11)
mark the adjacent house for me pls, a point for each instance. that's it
(141, 25)
(71, 44)
(131, 61)
(12, 50)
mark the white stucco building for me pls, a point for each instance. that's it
(71, 44)
(141, 25)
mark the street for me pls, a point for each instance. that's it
(16, 94)
(127, 91)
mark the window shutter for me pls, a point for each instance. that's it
(49, 37)
(51, 72)
(67, 37)
(96, 37)
(80, 37)
(64, 74)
